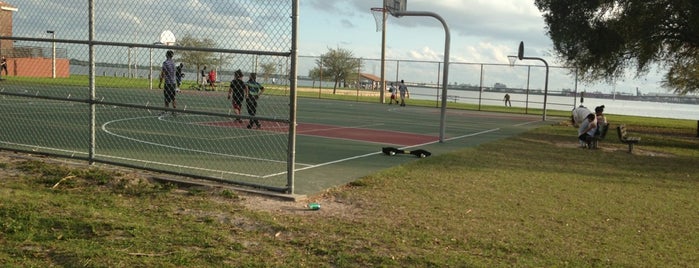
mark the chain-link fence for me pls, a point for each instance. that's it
(473, 83)
(111, 108)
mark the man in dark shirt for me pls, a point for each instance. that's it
(237, 91)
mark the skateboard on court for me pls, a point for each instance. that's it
(394, 151)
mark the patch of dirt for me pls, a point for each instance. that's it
(250, 199)
(329, 205)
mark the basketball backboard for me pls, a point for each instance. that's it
(167, 38)
(520, 51)
(393, 6)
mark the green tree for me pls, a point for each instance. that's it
(338, 64)
(268, 68)
(604, 38)
(315, 74)
(199, 58)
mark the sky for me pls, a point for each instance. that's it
(482, 31)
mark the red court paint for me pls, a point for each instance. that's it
(339, 132)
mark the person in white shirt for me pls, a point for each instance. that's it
(403, 90)
(579, 115)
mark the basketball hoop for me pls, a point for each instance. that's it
(167, 38)
(512, 59)
(379, 16)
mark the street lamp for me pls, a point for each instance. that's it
(53, 54)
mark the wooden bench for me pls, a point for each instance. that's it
(599, 135)
(624, 138)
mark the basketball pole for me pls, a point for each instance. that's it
(383, 56)
(445, 75)
(520, 55)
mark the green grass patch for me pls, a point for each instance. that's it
(535, 200)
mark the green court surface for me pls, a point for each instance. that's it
(407, 128)
(337, 141)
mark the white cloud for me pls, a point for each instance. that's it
(126, 16)
(425, 54)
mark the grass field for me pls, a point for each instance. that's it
(534, 200)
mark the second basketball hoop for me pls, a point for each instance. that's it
(380, 17)
(512, 60)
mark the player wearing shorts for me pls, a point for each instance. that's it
(255, 89)
(212, 79)
(237, 92)
(393, 90)
(403, 91)
(168, 73)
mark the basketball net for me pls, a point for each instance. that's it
(512, 59)
(379, 14)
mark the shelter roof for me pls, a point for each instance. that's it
(370, 77)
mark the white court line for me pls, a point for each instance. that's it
(73, 153)
(370, 154)
(35, 147)
(413, 146)
(527, 123)
(104, 128)
(336, 161)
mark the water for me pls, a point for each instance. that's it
(621, 107)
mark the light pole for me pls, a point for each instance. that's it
(150, 76)
(53, 53)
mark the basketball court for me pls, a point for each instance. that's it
(337, 141)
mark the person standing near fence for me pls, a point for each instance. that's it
(168, 74)
(203, 77)
(404, 93)
(255, 89)
(3, 66)
(507, 100)
(179, 74)
(393, 92)
(212, 79)
(237, 92)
